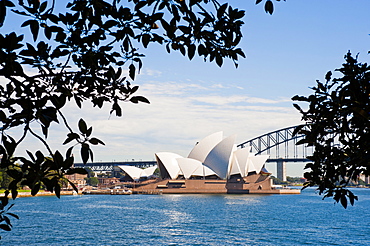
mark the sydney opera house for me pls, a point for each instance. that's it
(214, 165)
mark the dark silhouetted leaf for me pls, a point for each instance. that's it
(221, 10)
(31, 156)
(95, 141)
(300, 98)
(82, 126)
(70, 137)
(191, 51)
(269, 7)
(134, 89)
(88, 132)
(343, 201)
(14, 215)
(85, 152)
(69, 152)
(57, 190)
(35, 189)
(145, 39)
(34, 26)
(137, 99)
(73, 186)
(132, 71)
(77, 170)
(5, 227)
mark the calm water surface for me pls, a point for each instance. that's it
(190, 220)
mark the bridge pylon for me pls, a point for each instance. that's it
(281, 169)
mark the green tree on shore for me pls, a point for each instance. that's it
(5, 179)
(93, 181)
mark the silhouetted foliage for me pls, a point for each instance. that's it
(269, 5)
(338, 126)
(5, 223)
(76, 54)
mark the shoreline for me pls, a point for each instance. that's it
(44, 193)
(135, 191)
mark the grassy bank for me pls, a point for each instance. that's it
(2, 191)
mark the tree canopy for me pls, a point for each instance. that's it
(338, 127)
(76, 53)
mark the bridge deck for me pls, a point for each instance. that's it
(108, 166)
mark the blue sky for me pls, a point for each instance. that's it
(286, 53)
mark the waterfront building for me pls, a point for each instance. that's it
(211, 158)
(79, 180)
(106, 182)
(214, 165)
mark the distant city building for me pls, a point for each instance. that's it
(77, 179)
(364, 178)
(108, 181)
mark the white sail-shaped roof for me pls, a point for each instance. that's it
(202, 149)
(208, 171)
(203, 171)
(242, 156)
(168, 161)
(219, 157)
(136, 173)
(234, 166)
(258, 161)
(148, 171)
(133, 172)
(250, 167)
(211, 156)
(188, 166)
(191, 167)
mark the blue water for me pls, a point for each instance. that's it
(190, 220)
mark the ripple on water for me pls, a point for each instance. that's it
(189, 220)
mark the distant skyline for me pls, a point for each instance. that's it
(286, 53)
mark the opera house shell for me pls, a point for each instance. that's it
(214, 165)
(136, 173)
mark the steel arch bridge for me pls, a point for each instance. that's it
(109, 166)
(281, 145)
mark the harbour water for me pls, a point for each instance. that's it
(190, 220)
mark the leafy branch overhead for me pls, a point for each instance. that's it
(338, 126)
(84, 140)
(78, 51)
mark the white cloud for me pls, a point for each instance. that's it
(174, 121)
(219, 86)
(151, 72)
(170, 88)
(222, 100)
(222, 86)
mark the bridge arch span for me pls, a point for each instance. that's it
(279, 144)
